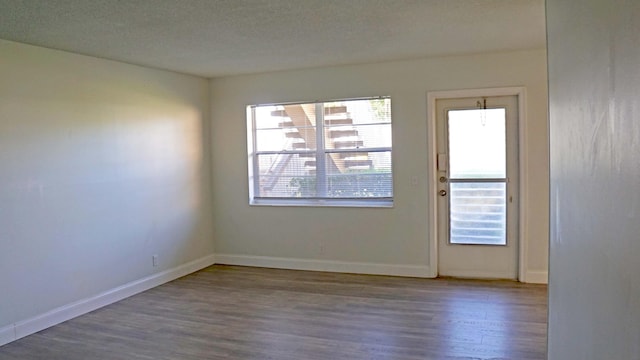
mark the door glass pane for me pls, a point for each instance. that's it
(478, 213)
(477, 143)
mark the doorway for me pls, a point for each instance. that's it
(476, 186)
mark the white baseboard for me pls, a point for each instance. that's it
(537, 277)
(531, 277)
(473, 274)
(56, 316)
(324, 265)
(7, 334)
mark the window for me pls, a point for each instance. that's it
(335, 153)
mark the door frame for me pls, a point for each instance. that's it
(432, 184)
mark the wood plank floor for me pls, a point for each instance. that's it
(231, 312)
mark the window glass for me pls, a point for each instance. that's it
(338, 150)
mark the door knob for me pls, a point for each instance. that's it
(442, 192)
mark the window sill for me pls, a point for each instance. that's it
(378, 203)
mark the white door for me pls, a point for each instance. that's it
(477, 171)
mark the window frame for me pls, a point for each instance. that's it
(320, 152)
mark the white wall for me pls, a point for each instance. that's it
(102, 164)
(594, 284)
(356, 239)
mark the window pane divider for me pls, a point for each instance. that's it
(361, 149)
(321, 169)
(254, 144)
(355, 125)
(292, 152)
(327, 151)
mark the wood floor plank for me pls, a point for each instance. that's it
(232, 312)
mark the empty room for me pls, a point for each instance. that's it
(349, 179)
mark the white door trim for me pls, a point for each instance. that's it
(432, 96)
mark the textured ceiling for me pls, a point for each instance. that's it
(225, 37)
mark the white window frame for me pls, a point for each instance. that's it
(321, 200)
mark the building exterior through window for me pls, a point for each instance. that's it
(331, 153)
